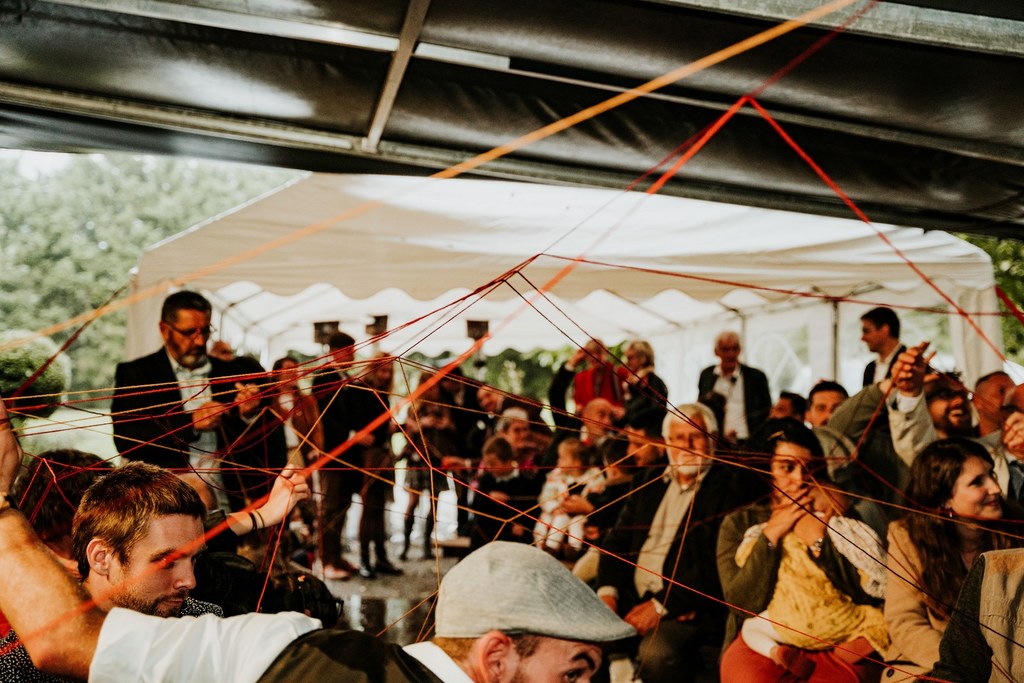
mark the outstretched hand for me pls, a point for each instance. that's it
(909, 371)
(289, 488)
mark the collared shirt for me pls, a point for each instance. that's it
(731, 386)
(194, 385)
(138, 647)
(882, 364)
(650, 564)
(438, 661)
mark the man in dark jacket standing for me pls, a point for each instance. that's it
(181, 409)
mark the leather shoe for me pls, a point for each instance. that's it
(387, 569)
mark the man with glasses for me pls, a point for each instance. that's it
(182, 409)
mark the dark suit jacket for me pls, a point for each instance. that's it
(722, 490)
(150, 424)
(869, 371)
(347, 405)
(757, 398)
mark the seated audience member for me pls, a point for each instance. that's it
(644, 391)
(660, 570)
(982, 641)
(817, 575)
(643, 435)
(501, 496)
(1008, 453)
(990, 394)
(958, 510)
(824, 398)
(789, 405)
(514, 427)
(591, 421)
(602, 504)
(557, 530)
(494, 402)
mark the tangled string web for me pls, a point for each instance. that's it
(531, 295)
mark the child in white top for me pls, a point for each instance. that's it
(574, 475)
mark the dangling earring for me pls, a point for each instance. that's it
(947, 512)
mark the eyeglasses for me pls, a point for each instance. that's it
(203, 332)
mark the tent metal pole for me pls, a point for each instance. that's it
(835, 340)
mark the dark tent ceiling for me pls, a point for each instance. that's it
(917, 111)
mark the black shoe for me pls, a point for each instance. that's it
(387, 569)
(367, 572)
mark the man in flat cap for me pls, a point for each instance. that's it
(507, 613)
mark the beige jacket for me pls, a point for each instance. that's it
(914, 628)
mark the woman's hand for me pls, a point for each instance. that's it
(791, 505)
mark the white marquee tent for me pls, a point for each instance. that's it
(672, 270)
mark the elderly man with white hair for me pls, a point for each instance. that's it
(660, 571)
(739, 392)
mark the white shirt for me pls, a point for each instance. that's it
(194, 385)
(138, 647)
(882, 364)
(731, 386)
(438, 661)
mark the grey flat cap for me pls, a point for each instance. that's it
(516, 588)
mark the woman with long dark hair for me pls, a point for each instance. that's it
(811, 574)
(959, 515)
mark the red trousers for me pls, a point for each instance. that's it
(740, 663)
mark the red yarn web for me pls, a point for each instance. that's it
(532, 293)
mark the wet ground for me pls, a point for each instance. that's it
(396, 607)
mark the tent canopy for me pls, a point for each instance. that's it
(912, 108)
(349, 247)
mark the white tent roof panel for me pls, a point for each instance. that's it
(348, 247)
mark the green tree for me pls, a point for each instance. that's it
(1008, 266)
(69, 237)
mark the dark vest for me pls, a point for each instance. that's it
(345, 657)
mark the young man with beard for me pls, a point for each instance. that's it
(136, 537)
(139, 515)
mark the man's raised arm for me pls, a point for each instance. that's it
(49, 611)
(10, 451)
